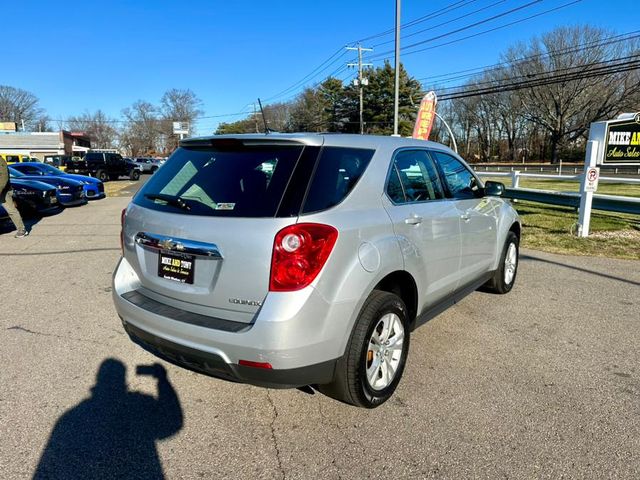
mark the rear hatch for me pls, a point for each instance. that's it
(200, 232)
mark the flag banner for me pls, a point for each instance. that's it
(426, 116)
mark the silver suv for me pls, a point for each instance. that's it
(294, 260)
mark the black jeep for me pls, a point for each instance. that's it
(104, 166)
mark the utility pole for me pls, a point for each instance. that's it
(396, 93)
(360, 82)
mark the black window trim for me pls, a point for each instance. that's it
(392, 165)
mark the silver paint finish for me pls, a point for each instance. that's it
(432, 241)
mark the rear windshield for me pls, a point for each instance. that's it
(251, 181)
(238, 182)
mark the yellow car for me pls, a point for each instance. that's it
(16, 158)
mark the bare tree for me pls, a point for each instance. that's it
(17, 105)
(42, 124)
(142, 134)
(98, 126)
(566, 109)
(178, 106)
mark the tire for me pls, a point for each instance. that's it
(360, 378)
(505, 276)
(102, 176)
(134, 175)
(154, 170)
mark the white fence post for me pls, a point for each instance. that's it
(515, 179)
(586, 198)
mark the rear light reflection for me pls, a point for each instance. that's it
(299, 253)
(124, 211)
(249, 363)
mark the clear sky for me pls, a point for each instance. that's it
(88, 55)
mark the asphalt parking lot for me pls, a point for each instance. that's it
(541, 383)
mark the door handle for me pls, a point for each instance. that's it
(413, 220)
(466, 217)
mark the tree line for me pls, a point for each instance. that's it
(144, 129)
(535, 104)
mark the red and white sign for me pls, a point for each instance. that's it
(591, 179)
(426, 116)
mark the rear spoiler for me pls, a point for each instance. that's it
(250, 140)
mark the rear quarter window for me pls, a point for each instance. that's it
(337, 172)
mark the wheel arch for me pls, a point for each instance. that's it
(401, 283)
(516, 228)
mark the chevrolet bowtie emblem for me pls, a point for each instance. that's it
(167, 244)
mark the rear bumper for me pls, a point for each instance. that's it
(299, 334)
(215, 366)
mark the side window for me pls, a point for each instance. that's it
(338, 170)
(461, 183)
(31, 170)
(414, 178)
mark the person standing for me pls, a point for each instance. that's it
(6, 200)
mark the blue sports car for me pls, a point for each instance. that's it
(69, 192)
(32, 198)
(93, 188)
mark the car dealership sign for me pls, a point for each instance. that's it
(619, 140)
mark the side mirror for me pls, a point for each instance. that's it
(493, 189)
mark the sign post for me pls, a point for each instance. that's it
(181, 128)
(588, 185)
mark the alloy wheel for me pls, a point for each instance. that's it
(384, 351)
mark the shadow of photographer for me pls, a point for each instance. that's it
(113, 433)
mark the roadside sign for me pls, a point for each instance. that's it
(181, 128)
(619, 140)
(591, 179)
(8, 126)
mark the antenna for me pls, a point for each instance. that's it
(267, 130)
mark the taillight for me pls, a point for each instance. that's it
(124, 211)
(299, 253)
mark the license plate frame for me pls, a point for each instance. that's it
(176, 267)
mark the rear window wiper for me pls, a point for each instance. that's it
(170, 199)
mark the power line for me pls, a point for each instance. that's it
(424, 18)
(571, 76)
(538, 75)
(313, 73)
(477, 34)
(448, 77)
(332, 59)
(444, 23)
(318, 70)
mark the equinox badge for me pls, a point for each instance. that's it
(242, 301)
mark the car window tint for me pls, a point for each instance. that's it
(337, 171)
(461, 183)
(29, 170)
(237, 181)
(417, 175)
(394, 187)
